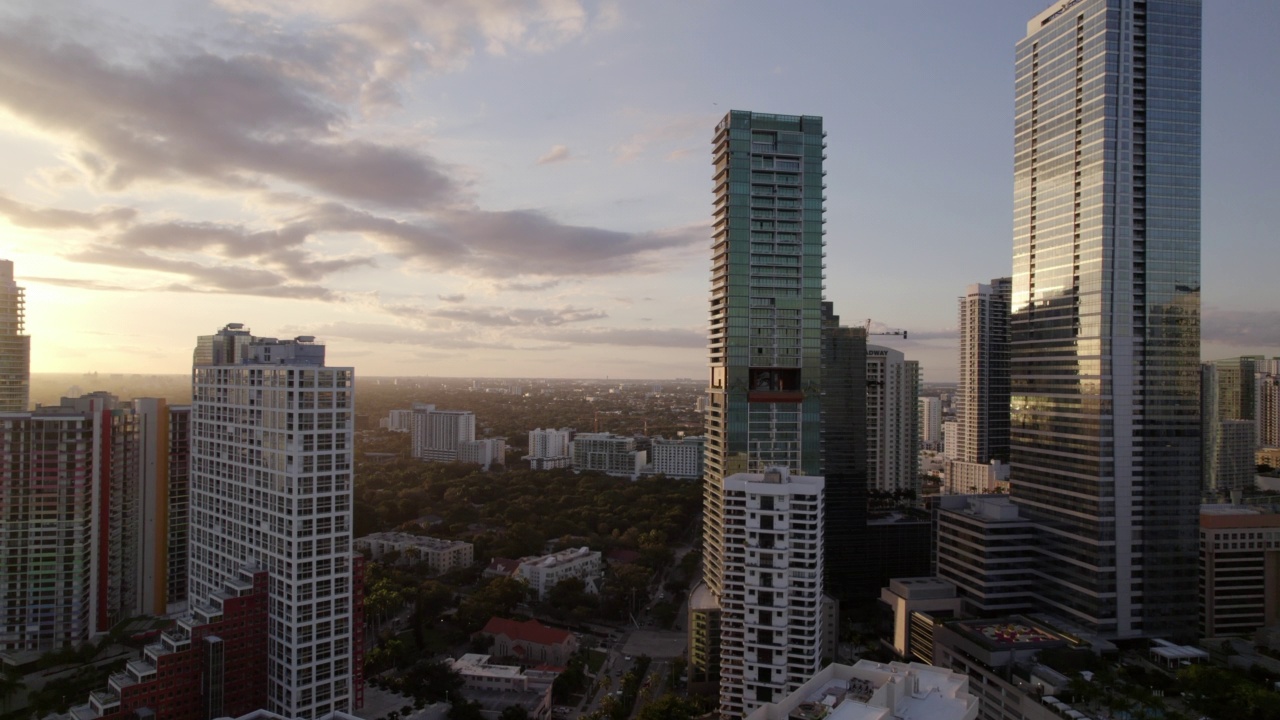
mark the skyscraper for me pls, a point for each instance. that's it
(15, 347)
(844, 457)
(893, 425)
(982, 397)
(271, 488)
(763, 408)
(1105, 426)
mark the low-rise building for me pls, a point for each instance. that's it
(876, 691)
(440, 555)
(1239, 569)
(542, 573)
(966, 478)
(1000, 658)
(211, 664)
(917, 605)
(530, 641)
(984, 547)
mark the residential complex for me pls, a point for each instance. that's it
(271, 488)
(771, 636)
(439, 434)
(15, 346)
(542, 573)
(982, 397)
(549, 449)
(1228, 424)
(893, 434)
(485, 452)
(607, 453)
(680, 458)
(439, 555)
(764, 390)
(930, 414)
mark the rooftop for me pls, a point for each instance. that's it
(877, 691)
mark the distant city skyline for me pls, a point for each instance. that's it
(511, 190)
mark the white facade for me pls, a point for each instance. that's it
(982, 395)
(486, 452)
(15, 345)
(437, 434)
(877, 691)
(771, 624)
(678, 458)
(893, 389)
(966, 478)
(930, 422)
(951, 439)
(549, 449)
(542, 573)
(398, 421)
(610, 454)
(1267, 398)
(440, 555)
(271, 484)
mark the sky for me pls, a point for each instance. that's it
(494, 188)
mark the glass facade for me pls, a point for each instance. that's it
(1106, 309)
(765, 385)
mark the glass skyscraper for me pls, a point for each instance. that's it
(1105, 445)
(763, 408)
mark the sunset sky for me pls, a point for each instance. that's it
(501, 188)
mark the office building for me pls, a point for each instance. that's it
(917, 605)
(549, 449)
(681, 458)
(986, 548)
(848, 575)
(271, 488)
(999, 657)
(764, 391)
(1105, 418)
(870, 690)
(15, 346)
(893, 435)
(930, 413)
(771, 610)
(1239, 570)
(607, 453)
(438, 434)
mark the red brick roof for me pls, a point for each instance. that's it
(530, 631)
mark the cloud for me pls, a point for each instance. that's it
(80, 283)
(493, 243)
(630, 337)
(384, 42)
(207, 278)
(557, 153)
(518, 317)
(1240, 328)
(683, 132)
(517, 286)
(455, 298)
(30, 216)
(399, 335)
(241, 121)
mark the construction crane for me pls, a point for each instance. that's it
(902, 333)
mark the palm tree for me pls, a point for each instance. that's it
(10, 683)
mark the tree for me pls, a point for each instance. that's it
(514, 712)
(466, 710)
(671, 707)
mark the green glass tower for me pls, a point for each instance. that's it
(764, 404)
